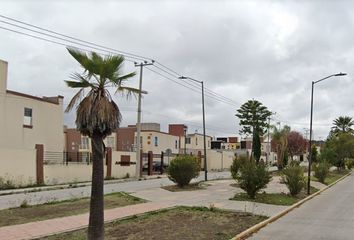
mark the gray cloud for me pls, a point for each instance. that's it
(267, 50)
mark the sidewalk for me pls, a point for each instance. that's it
(53, 226)
(73, 185)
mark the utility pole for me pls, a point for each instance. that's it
(268, 150)
(138, 124)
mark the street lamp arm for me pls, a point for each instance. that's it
(333, 75)
(194, 80)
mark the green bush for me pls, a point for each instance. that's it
(236, 164)
(293, 176)
(321, 171)
(253, 177)
(183, 169)
(349, 163)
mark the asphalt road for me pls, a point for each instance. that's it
(34, 198)
(328, 216)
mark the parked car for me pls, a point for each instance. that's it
(156, 166)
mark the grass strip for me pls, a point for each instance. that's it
(50, 210)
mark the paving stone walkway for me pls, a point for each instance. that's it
(49, 227)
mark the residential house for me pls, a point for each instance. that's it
(27, 120)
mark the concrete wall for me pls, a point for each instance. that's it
(119, 171)
(73, 172)
(18, 165)
(218, 160)
(81, 172)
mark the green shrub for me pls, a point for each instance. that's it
(349, 163)
(293, 176)
(321, 171)
(183, 169)
(253, 177)
(6, 184)
(236, 164)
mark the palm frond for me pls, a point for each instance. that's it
(74, 100)
(129, 91)
(79, 56)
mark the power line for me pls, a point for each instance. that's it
(176, 75)
(101, 48)
(190, 87)
(138, 57)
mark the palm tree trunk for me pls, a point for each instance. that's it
(96, 221)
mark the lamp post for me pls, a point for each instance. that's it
(185, 139)
(310, 140)
(204, 137)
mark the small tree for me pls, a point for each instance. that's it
(296, 144)
(314, 154)
(236, 165)
(253, 177)
(349, 163)
(293, 176)
(253, 117)
(183, 169)
(321, 171)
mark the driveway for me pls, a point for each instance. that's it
(328, 216)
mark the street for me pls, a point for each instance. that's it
(328, 216)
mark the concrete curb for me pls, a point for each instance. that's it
(257, 227)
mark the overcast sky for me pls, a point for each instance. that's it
(266, 50)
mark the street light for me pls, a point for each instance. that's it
(185, 138)
(204, 138)
(310, 145)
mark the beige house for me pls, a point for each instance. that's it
(27, 120)
(195, 141)
(158, 142)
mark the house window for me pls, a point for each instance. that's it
(188, 140)
(27, 120)
(110, 142)
(196, 141)
(176, 144)
(156, 143)
(84, 143)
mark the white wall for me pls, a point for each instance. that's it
(18, 165)
(47, 121)
(119, 171)
(61, 173)
(218, 160)
(80, 172)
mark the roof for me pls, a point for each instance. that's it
(191, 134)
(53, 100)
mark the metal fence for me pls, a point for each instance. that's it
(67, 157)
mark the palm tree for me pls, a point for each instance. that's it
(280, 142)
(97, 116)
(342, 124)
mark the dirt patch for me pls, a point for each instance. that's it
(190, 187)
(178, 223)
